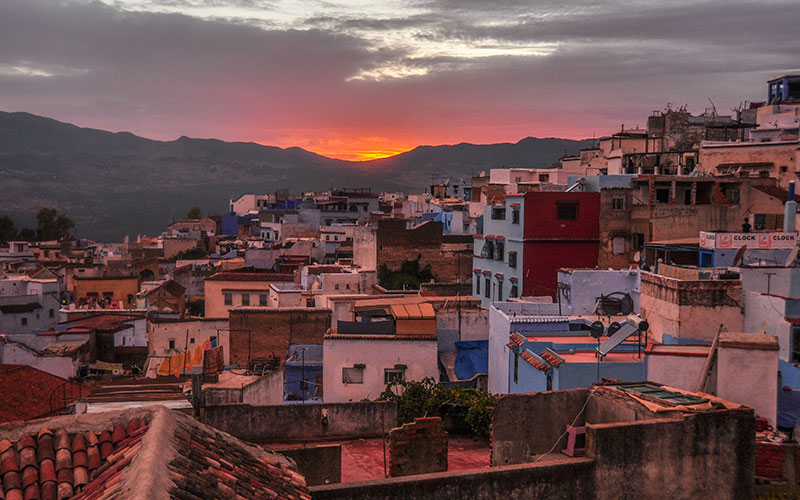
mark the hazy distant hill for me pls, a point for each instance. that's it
(117, 183)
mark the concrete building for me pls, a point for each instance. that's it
(169, 337)
(528, 238)
(683, 306)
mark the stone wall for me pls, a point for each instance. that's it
(302, 422)
(418, 447)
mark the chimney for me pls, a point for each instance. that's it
(790, 211)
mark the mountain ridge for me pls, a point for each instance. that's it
(117, 183)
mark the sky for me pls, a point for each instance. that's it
(365, 79)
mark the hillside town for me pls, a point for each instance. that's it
(623, 324)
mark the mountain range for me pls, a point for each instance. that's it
(112, 184)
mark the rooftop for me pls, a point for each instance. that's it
(30, 393)
(138, 454)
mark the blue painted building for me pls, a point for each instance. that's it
(532, 348)
(302, 379)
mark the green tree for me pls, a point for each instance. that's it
(468, 408)
(194, 213)
(409, 276)
(7, 230)
(52, 226)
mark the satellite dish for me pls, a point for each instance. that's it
(637, 256)
(596, 329)
(613, 328)
(644, 325)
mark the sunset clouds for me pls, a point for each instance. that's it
(353, 79)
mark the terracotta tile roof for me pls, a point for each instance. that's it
(29, 393)
(511, 345)
(104, 321)
(534, 360)
(105, 456)
(551, 357)
(517, 338)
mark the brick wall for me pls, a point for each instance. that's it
(418, 448)
(770, 460)
(262, 333)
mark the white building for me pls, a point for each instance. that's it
(27, 304)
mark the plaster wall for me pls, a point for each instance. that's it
(419, 356)
(748, 377)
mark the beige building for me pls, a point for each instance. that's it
(226, 290)
(778, 160)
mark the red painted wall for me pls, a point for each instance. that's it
(541, 219)
(544, 259)
(552, 243)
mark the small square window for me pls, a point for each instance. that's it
(515, 216)
(498, 213)
(262, 299)
(567, 210)
(618, 203)
(309, 302)
(245, 299)
(172, 343)
(393, 375)
(354, 375)
(24, 321)
(191, 340)
(228, 299)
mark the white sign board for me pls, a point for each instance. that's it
(724, 241)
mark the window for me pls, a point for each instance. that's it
(618, 245)
(309, 302)
(618, 203)
(487, 252)
(51, 312)
(498, 213)
(172, 343)
(638, 241)
(500, 290)
(512, 260)
(567, 210)
(393, 375)
(488, 291)
(733, 195)
(516, 368)
(784, 169)
(245, 299)
(191, 340)
(108, 294)
(354, 375)
(795, 355)
(477, 287)
(91, 294)
(262, 299)
(213, 340)
(514, 293)
(662, 195)
(498, 250)
(515, 216)
(24, 321)
(336, 286)
(544, 177)
(228, 298)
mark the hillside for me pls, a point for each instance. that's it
(112, 184)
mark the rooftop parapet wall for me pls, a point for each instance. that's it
(283, 423)
(691, 308)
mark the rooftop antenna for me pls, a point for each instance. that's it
(713, 108)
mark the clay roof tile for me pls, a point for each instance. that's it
(4, 445)
(26, 441)
(63, 460)
(78, 443)
(119, 434)
(12, 480)
(15, 494)
(49, 491)
(65, 491)
(29, 476)
(133, 425)
(64, 476)
(62, 441)
(8, 462)
(45, 450)
(47, 471)
(31, 492)
(27, 458)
